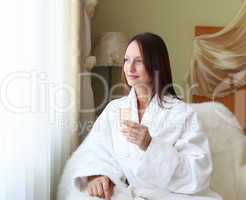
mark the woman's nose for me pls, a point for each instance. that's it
(132, 67)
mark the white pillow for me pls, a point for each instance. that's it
(228, 148)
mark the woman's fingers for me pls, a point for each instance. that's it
(94, 190)
(130, 131)
(100, 192)
(106, 189)
(132, 134)
(137, 134)
(131, 124)
(89, 190)
(100, 187)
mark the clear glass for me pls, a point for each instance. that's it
(125, 114)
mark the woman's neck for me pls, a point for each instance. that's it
(143, 96)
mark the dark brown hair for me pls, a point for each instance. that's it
(156, 60)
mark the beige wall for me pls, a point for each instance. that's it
(174, 20)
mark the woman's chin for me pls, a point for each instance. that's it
(131, 83)
(137, 83)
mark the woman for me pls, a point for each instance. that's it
(159, 153)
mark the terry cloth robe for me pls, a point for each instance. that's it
(176, 165)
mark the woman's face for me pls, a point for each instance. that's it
(134, 68)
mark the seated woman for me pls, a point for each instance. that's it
(158, 152)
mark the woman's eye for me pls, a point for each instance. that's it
(139, 61)
(125, 60)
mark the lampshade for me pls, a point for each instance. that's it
(110, 49)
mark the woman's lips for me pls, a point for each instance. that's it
(132, 76)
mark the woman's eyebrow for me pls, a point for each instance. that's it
(126, 56)
(138, 57)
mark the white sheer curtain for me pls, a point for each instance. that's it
(39, 95)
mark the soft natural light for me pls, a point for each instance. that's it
(37, 96)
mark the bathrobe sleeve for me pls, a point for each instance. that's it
(93, 157)
(184, 167)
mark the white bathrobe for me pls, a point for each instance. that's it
(176, 165)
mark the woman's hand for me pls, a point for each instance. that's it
(100, 186)
(137, 134)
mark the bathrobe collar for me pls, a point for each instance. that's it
(153, 107)
(149, 111)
